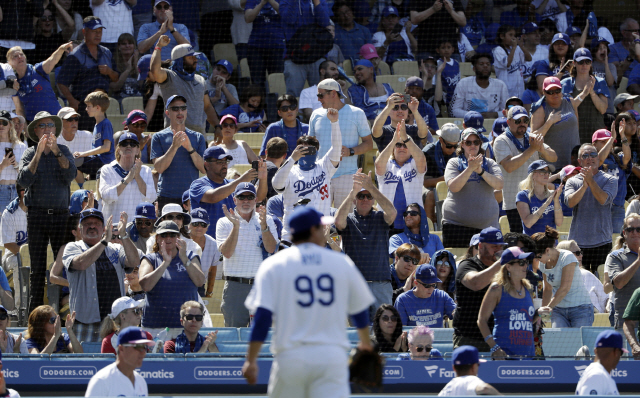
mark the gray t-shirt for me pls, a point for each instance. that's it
(193, 91)
(618, 261)
(222, 103)
(591, 223)
(599, 71)
(474, 205)
(564, 135)
(577, 294)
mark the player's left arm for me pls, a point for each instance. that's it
(261, 323)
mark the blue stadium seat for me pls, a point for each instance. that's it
(84, 357)
(224, 334)
(91, 348)
(561, 342)
(589, 334)
(443, 347)
(245, 334)
(352, 335)
(240, 348)
(443, 334)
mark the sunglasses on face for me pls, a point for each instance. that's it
(521, 263)
(524, 120)
(162, 7)
(400, 145)
(632, 229)
(387, 318)
(320, 95)
(584, 62)
(578, 253)
(425, 348)
(139, 347)
(441, 263)
(190, 317)
(4, 123)
(129, 144)
(450, 146)
(140, 125)
(409, 259)
(73, 119)
(589, 155)
(3, 316)
(228, 125)
(411, 213)
(363, 196)
(47, 18)
(144, 223)
(199, 224)
(429, 286)
(543, 172)
(246, 197)
(178, 108)
(218, 161)
(170, 217)
(553, 92)
(45, 125)
(472, 142)
(402, 107)
(52, 320)
(285, 108)
(168, 235)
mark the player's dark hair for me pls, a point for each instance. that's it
(384, 345)
(545, 240)
(276, 148)
(308, 140)
(463, 370)
(512, 239)
(286, 97)
(301, 237)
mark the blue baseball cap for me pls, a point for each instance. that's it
(499, 126)
(77, 198)
(427, 274)
(530, 27)
(561, 36)
(573, 31)
(364, 62)
(5, 310)
(492, 236)
(144, 65)
(173, 98)
(135, 116)
(133, 335)
(634, 113)
(216, 152)
(227, 65)
(244, 187)
(466, 355)
(200, 215)
(185, 196)
(304, 217)
(610, 339)
(515, 253)
(391, 10)
(475, 120)
(93, 24)
(541, 68)
(414, 81)
(127, 136)
(146, 210)
(582, 54)
(595, 42)
(540, 165)
(91, 213)
(517, 112)
(475, 239)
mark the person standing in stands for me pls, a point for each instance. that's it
(150, 33)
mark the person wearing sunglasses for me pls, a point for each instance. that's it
(47, 38)
(445, 264)
(593, 191)
(9, 342)
(190, 340)
(239, 150)
(471, 179)
(136, 123)
(396, 110)
(407, 257)
(537, 205)
(509, 301)
(150, 33)
(564, 294)
(76, 140)
(210, 254)
(125, 312)
(288, 128)
(142, 226)
(560, 135)
(400, 171)
(420, 342)
(438, 155)
(126, 182)
(425, 304)
(416, 231)
(13, 150)
(250, 111)
(173, 212)
(19, 123)
(171, 276)
(386, 333)
(44, 333)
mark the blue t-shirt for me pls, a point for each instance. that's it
(4, 282)
(433, 245)
(612, 168)
(416, 311)
(360, 98)
(289, 134)
(61, 345)
(566, 210)
(450, 78)
(634, 75)
(530, 96)
(275, 207)
(103, 131)
(149, 29)
(428, 114)
(80, 71)
(197, 190)
(534, 204)
(475, 28)
(617, 53)
(351, 41)
(36, 93)
(513, 327)
(182, 171)
(244, 117)
(267, 27)
(600, 87)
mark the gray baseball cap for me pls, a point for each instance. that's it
(449, 132)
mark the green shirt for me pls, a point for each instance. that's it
(632, 312)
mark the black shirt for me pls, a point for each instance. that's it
(45, 46)
(465, 318)
(438, 26)
(387, 135)
(432, 167)
(107, 284)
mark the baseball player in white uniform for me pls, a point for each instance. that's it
(309, 341)
(466, 363)
(120, 379)
(596, 378)
(309, 178)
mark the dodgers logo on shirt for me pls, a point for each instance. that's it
(410, 175)
(303, 188)
(21, 238)
(390, 178)
(551, 277)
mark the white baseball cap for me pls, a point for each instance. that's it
(330, 84)
(124, 303)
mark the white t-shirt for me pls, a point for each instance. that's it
(309, 98)
(595, 289)
(6, 94)
(239, 155)
(117, 19)
(596, 381)
(322, 288)
(379, 37)
(13, 227)
(111, 382)
(541, 54)
(210, 255)
(464, 46)
(552, 12)
(113, 204)
(468, 96)
(157, 92)
(460, 386)
(11, 173)
(82, 142)
(511, 75)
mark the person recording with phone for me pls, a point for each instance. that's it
(13, 150)
(398, 108)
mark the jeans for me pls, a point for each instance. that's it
(7, 194)
(296, 74)
(617, 218)
(572, 317)
(382, 292)
(262, 60)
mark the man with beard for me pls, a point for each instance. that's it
(309, 96)
(181, 79)
(213, 191)
(177, 152)
(480, 93)
(367, 94)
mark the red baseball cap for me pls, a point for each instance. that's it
(551, 82)
(599, 135)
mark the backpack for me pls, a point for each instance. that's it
(309, 44)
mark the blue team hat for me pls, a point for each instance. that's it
(573, 31)
(582, 54)
(93, 24)
(77, 198)
(426, 273)
(475, 239)
(146, 210)
(127, 136)
(540, 165)
(414, 81)
(541, 68)
(513, 253)
(227, 65)
(173, 98)
(133, 335)
(492, 236)
(610, 339)
(499, 126)
(530, 27)
(364, 62)
(475, 120)
(517, 112)
(634, 113)
(185, 196)
(144, 65)
(561, 36)
(466, 355)
(597, 40)
(391, 10)
(244, 187)
(304, 217)
(91, 213)
(216, 152)
(200, 215)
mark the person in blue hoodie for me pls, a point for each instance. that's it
(425, 304)
(445, 265)
(416, 231)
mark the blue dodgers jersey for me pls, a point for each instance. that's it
(101, 132)
(416, 311)
(450, 78)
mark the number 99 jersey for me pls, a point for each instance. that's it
(310, 290)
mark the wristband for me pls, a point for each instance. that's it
(172, 30)
(104, 242)
(481, 173)
(158, 48)
(495, 348)
(191, 151)
(579, 97)
(407, 140)
(488, 337)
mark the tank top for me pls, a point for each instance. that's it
(239, 155)
(564, 135)
(589, 117)
(513, 329)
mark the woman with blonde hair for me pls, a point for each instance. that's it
(12, 150)
(537, 205)
(126, 58)
(125, 312)
(44, 333)
(192, 314)
(509, 300)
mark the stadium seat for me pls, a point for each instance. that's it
(226, 51)
(253, 139)
(224, 334)
(409, 68)
(397, 82)
(488, 125)
(244, 68)
(458, 252)
(466, 69)
(437, 233)
(442, 334)
(276, 83)
(562, 342)
(442, 346)
(91, 347)
(623, 85)
(566, 224)
(601, 319)
(114, 108)
(385, 70)
(346, 66)
(245, 334)
(116, 121)
(504, 225)
(454, 120)
(131, 103)
(213, 303)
